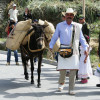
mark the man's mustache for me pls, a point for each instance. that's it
(69, 18)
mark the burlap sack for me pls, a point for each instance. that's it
(49, 31)
(17, 34)
(23, 25)
(25, 40)
(50, 28)
(56, 46)
(41, 22)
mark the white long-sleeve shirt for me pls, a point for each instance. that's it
(64, 32)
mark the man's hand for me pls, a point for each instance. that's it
(86, 53)
(50, 54)
(85, 60)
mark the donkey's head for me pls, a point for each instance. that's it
(39, 36)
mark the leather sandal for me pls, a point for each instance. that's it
(60, 87)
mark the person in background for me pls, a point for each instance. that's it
(85, 31)
(85, 70)
(85, 28)
(11, 26)
(12, 14)
(64, 31)
(27, 14)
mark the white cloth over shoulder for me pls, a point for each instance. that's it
(68, 63)
(72, 62)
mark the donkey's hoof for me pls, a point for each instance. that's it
(27, 78)
(32, 82)
(39, 85)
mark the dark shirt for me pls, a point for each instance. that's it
(28, 16)
(86, 32)
(10, 25)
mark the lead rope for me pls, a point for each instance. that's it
(31, 49)
(25, 49)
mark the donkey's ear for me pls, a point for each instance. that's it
(44, 26)
(34, 26)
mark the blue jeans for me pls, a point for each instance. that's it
(9, 55)
(35, 59)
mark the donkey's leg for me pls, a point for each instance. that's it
(32, 69)
(24, 62)
(39, 70)
(25, 69)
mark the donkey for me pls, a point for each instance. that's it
(33, 48)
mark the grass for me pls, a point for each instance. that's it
(2, 39)
(95, 31)
(94, 61)
(95, 36)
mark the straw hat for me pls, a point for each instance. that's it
(14, 5)
(70, 10)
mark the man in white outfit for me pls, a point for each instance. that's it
(13, 13)
(64, 31)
